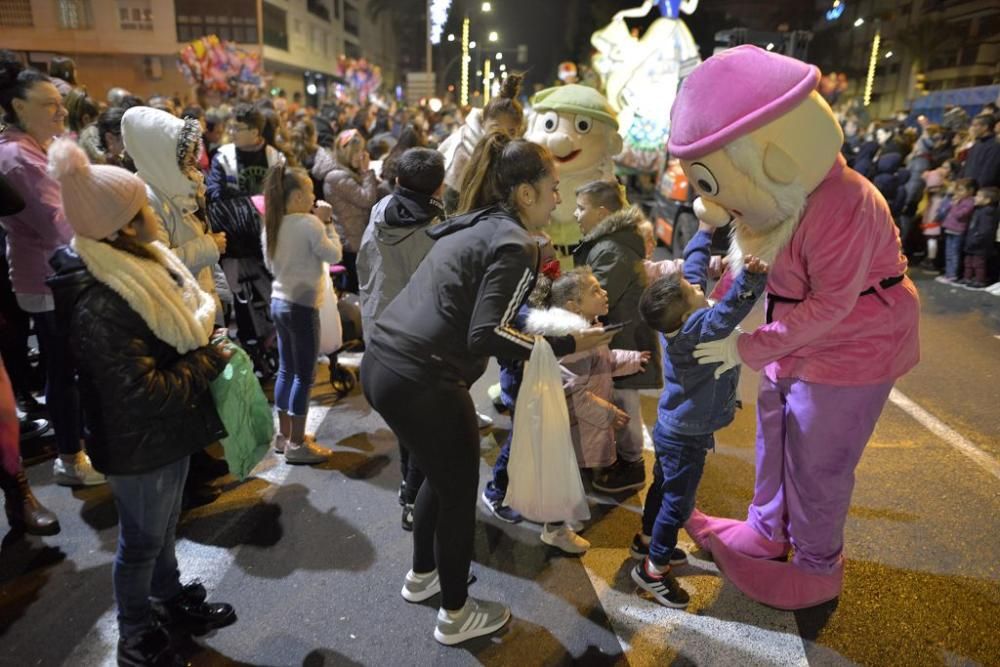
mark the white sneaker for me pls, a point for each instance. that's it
(78, 472)
(564, 538)
(420, 587)
(475, 619)
(575, 526)
(994, 289)
(306, 452)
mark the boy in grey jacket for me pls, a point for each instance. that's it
(392, 247)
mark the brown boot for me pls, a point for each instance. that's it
(24, 512)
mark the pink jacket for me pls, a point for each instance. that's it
(34, 233)
(846, 242)
(588, 383)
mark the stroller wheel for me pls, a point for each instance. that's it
(342, 379)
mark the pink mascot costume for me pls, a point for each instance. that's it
(762, 149)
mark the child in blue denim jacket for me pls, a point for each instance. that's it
(694, 404)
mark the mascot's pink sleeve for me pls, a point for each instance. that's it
(845, 243)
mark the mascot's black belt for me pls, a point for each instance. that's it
(773, 298)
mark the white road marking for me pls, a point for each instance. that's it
(100, 645)
(946, 433)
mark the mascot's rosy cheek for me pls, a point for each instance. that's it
(762, 149)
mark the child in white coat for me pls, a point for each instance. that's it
(573, 302)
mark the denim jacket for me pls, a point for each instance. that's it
(693, 402)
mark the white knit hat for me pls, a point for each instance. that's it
(98, 200)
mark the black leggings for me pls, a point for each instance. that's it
(438, 426)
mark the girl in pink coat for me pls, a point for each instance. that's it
(573, 302)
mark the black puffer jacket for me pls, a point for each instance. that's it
(614, 250)
(145, 405)
(458, 309)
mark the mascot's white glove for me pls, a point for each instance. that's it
(711, 213)
(723, 352)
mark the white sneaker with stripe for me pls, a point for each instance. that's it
(476, 618)
(420, 587)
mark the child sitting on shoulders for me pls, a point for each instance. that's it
(694, 404)
(573, 302)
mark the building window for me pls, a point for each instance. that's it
(326, 43)
(352, 19)
(351, 50)
(135, 15)
(75, 15)
(318, 8)
(314, 39)
(232, 20)
(275, 27)
(16, 14)
(336, 9)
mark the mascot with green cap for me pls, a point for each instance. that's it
(580, 128)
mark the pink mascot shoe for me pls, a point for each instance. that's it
(779, 585)
(737, 535)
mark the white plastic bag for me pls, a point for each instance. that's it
(544, 478)
(331, 336)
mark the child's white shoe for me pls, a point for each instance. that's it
(564, 538)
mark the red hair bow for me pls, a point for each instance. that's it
(551, 269)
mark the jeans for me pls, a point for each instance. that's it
(61, 395)
(680, 460)
(298, 346)
(437, 424)
(629, 440)
(496, 488)
(953, 254)
(149, 505)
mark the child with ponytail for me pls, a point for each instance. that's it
(571, 303)
(298, 239)
(503, 112)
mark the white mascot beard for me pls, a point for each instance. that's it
(790, 201)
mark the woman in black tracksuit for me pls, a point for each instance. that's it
(433, 342)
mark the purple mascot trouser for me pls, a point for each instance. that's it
(809, 440)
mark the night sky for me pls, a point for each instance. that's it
(557, 30)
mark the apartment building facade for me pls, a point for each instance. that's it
(134, 43)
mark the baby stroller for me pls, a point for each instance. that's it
(252, 309)
(344, 379)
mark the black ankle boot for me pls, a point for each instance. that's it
(189, 612)
(149, 649)
(24, 512)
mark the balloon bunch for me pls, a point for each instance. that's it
(360, 75)
(217, 64)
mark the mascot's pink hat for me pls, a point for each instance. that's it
(733, 93)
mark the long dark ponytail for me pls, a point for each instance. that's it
(498, 165)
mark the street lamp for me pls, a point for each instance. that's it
(451, 37)
(859, 23)
(472, 44)
(499, 55)
(487, 7)
(494, 36)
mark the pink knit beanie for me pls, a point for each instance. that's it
(732, 94)
(98, 200)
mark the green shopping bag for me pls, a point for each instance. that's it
(245, 412)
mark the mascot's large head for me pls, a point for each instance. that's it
(576, 123)
(754, 139)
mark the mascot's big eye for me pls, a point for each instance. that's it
(702, 177)
(550, 121)
(582, 124)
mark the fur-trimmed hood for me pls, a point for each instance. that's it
(158, 144)
(554, 322)
(623, 220)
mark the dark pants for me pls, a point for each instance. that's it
(14, 330)
(145, 565)
(496, 488)
(61, 396)
(349, 280)
(298, 347)
(412, 478)
(437, 424)
(680, 460)
(953, 255)
(975, 269)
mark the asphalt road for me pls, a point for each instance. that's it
(313, 558)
